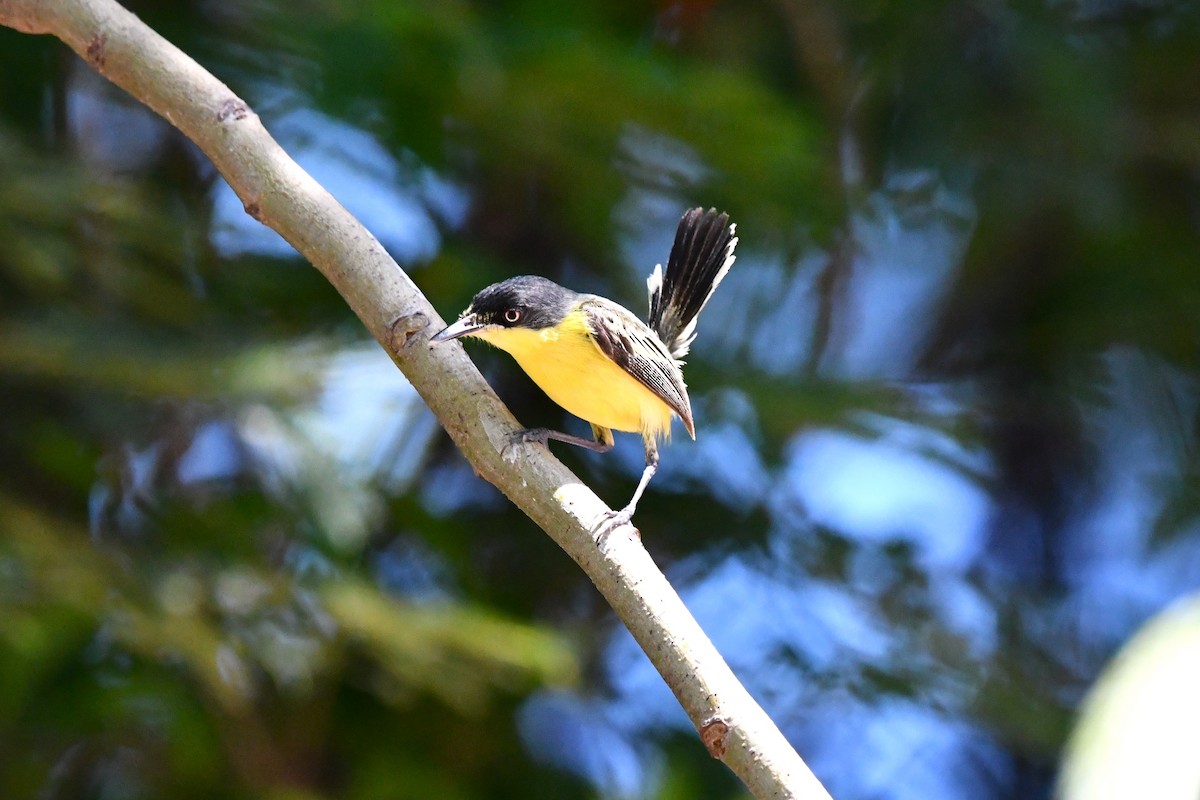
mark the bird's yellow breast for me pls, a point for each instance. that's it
(571, 369)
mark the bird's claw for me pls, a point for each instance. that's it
(610, 521)
(517, 438)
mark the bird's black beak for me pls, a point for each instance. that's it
(465, 326)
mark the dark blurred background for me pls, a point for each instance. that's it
(946, 400)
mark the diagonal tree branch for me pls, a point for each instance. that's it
(278, 193)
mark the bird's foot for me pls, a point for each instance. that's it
(610, 521)
(526, 436)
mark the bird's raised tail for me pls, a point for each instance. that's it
(700, 257)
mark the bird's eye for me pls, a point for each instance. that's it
(512, 316)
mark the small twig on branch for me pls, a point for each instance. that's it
(277, 192)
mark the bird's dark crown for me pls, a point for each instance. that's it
(525, 301)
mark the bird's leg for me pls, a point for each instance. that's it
(615, 519)
(601, 444)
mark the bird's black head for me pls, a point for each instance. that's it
(526, 301)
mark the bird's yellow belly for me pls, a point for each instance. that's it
(574, 373)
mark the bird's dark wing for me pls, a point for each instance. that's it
(636, 349)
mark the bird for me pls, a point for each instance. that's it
(597, 359)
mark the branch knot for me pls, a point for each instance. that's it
(714, 733)
(95, 50)
(232, 108)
